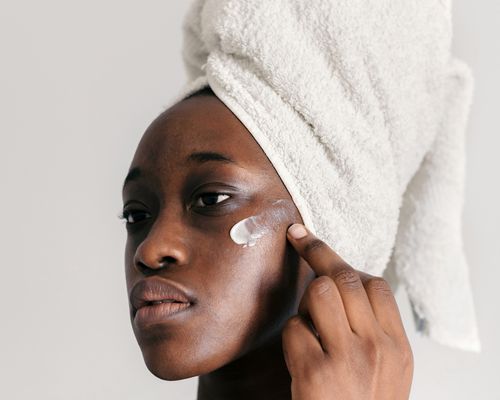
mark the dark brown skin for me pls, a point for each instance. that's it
(358, 348)
(234, 337)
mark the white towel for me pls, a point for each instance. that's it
(361, 109)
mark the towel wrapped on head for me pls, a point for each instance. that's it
(361, 109)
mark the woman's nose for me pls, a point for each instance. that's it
(164, 246)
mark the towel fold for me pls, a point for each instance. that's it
(362, 110)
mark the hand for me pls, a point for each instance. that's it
(347, 341)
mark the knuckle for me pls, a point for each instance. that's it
(314, 245)
(379, 285)
(292, 323)
(381, 352)
(315, 372)
(375, 351)
(407, 357)
(348, 278)
(320, 285)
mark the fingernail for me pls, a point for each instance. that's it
(297, 231)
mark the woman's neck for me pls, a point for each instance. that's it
(261, 374)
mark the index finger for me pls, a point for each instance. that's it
(322, 258)
(325, 261)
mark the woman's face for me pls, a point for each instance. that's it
(180, 209)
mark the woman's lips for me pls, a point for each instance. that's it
(158, 313)
(156, 300)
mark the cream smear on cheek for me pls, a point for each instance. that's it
(247, 231)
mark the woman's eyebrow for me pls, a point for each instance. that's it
(197, 157)
(132, 175)
(201, 157)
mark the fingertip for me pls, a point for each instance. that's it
(297, 231)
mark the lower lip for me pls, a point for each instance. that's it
(158, 313)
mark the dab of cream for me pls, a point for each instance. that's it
(247, 231)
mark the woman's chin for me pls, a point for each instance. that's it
(170, 368)
(169, 374)
(172, 364)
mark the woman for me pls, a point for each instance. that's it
(345, 117)
(240, 332)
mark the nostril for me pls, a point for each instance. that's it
(143, 268)
(148, 269)
(166, 261)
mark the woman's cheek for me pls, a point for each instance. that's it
(252, 260)
(256, 228)
(262, 262)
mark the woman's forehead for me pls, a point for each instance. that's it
(201, 124)
(201, 137)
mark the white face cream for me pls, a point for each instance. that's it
(247, 231)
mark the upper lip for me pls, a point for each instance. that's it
(156, 289)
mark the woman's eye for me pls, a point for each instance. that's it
(132, 216)
(204, 200)
(210, 199)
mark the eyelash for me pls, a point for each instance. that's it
(126, 213)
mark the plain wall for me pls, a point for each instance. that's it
(79, 83)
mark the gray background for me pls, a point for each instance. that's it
(79, 83)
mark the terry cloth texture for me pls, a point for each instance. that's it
(362, 110)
